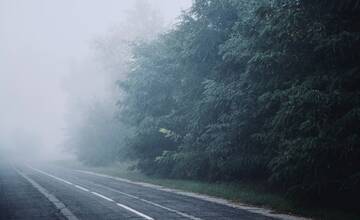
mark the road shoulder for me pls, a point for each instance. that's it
(252, 209)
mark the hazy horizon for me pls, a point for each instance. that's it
(42, 44)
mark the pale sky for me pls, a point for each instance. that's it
(39, 39)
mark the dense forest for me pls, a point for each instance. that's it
(258, 90)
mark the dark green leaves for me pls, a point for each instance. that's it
(251, 89)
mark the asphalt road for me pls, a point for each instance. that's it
(49, 192)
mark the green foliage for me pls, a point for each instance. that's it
(251, 90)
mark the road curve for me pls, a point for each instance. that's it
(50, 192)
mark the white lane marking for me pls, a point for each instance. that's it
(171, 210)
(66, 182)
(134, 211)
(115, 190)
(150, 202)
(241, 206)
(124, 206)
(94, 193)
(104, 197)
(82, 188)
(57, 203)
(47, 174)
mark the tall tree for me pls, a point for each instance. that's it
(251, 90)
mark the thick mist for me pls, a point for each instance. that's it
(52, 67)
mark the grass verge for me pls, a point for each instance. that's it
(254, 194)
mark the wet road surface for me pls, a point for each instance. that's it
(50, 192)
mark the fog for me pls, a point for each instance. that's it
(47, 66)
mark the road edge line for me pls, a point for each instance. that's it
(183, 214)
(251, 209)
(55, 201)
(91, 192)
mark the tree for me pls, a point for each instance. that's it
(262, 90)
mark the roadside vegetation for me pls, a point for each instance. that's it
(245, 193)
(250, 100)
